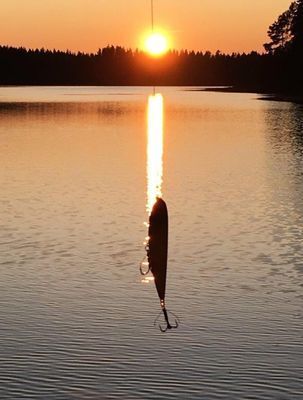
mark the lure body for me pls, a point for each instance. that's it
(157, 250)
(158, 246)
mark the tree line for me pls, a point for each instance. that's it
(278, 69)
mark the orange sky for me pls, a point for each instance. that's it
(86, 25)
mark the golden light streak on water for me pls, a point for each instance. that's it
(154, 149)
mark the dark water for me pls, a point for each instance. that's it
(76, 321)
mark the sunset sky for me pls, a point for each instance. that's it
(86, 25)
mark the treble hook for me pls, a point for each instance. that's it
(168, 325)
(145, 262)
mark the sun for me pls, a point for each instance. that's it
(156, 44)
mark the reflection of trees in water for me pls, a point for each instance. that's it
(285, 128)
(107, 109)
(297, 131)
(284, 135)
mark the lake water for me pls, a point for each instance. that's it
(76, 319)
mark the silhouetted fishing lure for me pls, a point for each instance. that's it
(157, 254)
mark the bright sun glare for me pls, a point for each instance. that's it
(156, 44)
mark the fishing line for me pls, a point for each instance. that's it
(152, 28)
(152, 15)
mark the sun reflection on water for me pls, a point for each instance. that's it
(154, 166)
(154, 149)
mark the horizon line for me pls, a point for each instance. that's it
(136, 50)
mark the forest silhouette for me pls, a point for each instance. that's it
(279, 69)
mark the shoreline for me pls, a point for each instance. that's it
(263, 95)
(267, 96)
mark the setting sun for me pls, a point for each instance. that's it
(156, 44)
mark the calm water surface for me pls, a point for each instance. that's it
(76, 320)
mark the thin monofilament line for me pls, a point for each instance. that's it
(152, 15)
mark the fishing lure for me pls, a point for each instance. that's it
(157, 249)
